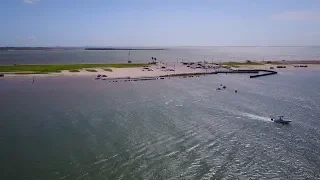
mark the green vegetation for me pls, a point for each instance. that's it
(238, 64)
(74, 70)
(108, 70)
(54, 68)
(91, 70)
(30, 73)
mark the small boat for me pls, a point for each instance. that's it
(99, 75)
(224, 87)
(280, 120)
(218, 88)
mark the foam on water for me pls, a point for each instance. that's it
(255, 117)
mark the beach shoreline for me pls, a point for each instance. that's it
(166, 69)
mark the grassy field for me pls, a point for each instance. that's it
(238, 64)
(26, 72)
(53, 68)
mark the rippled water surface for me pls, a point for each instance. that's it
(178, 128)
(170, 54)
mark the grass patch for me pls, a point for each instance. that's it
(108, 70)
(74, 70)
(30, 73)
(91, 70)
(55, 68)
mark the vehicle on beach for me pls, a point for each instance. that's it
(281, 66)
(147, 69)
(280, 120)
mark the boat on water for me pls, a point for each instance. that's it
(280, 120)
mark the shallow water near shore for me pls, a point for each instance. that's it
(178, 128)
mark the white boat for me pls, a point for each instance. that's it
(280, 120)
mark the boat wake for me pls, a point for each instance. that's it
(253, 116)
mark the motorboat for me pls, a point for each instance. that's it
(280, 120)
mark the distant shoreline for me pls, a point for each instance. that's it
(72, 48)
(122, 49)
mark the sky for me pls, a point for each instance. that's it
(160, 22)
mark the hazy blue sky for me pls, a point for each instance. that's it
(159, 22)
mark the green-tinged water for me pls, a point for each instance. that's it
(79, 128)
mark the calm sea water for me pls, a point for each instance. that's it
(79, 55)
(79, 128)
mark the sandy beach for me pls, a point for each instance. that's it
(156, 70)
(134, 72)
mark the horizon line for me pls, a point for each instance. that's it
(159, 46)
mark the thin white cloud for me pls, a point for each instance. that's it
(31, 1)
(297, 15)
